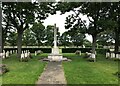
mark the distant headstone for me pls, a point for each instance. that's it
(35, 53)
(7, 54)
(107, 54)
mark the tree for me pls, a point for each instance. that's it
(38, 30)
(22, 14)
(76, 37)
(29, 38)
(106, 38)
(11, 38)
(87, 43)
(98, 18)
(1, 34)
(65, 39)
(114, 15)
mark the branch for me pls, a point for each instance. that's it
(80, 19)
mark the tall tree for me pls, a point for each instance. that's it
(114, 15)
(22, 14)
(1, 45)
(97, 14)
(96, 18)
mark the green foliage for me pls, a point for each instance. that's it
(38, 30)
(101, 51)
(28, 38)
(65, 39)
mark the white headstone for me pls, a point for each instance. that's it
(35, 53)
(93, 55)
(112, 55)
(117, 55)
(7, 54)
(107, 54)
(80, 52)
(22, 55)
(10, 51)
(3, 54)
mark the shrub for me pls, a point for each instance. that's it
(117, 74)
(3, 69)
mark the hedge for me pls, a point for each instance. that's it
(72, 50)
(83, 50)
(32, 50)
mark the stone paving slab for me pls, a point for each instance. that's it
(53, 75)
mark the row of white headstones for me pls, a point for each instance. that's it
(112, 55)
(24, 54)
(7, 53)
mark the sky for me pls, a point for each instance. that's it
(59, 20)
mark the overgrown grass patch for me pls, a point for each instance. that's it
(81, 71)
(22, 72)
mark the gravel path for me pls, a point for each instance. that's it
(53, 75)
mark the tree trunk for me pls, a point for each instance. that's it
(1, 34)
(116, 41)
(1, 39)
(94, 47)
(94, 43)
(19, 43)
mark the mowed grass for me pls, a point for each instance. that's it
(80, 71)
(22, 72)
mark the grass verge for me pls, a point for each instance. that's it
(80, 71)
(22, 72)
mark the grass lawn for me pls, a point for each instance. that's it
(22, 72)
(80, 71)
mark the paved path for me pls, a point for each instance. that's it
(53, 75)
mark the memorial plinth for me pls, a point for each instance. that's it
(55, 55)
